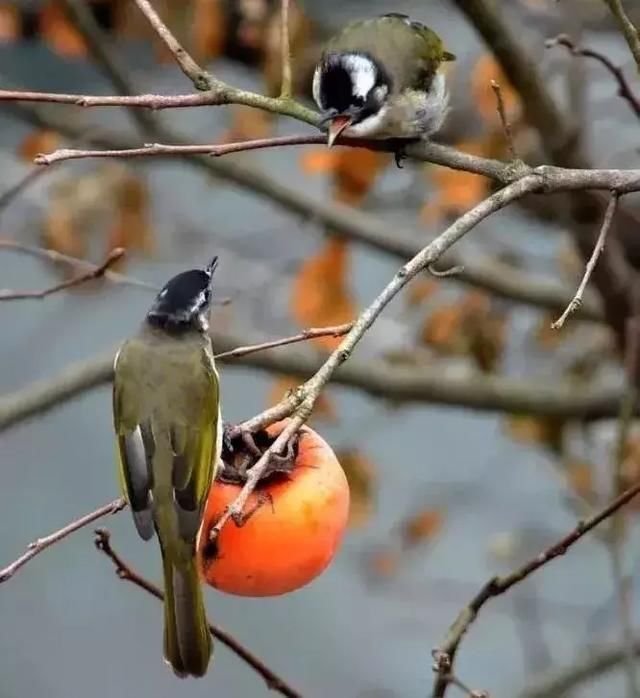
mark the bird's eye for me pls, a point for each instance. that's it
(358, 101)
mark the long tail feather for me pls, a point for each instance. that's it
(187, 642)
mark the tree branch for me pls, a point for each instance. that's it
(127, 573)
(41, 544)
(200, 78)
(73, 262)
(576, 301)
(624, 89)
(97, 272)
(627, 28)
(445, 654)
(285, 50)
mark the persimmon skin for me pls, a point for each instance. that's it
(288, 541)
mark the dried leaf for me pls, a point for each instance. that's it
(546, 432)
(422, 527)
(454, 191)
(39, 141)
(61, 231)
(10, 22)
(59, 33)
(470, 327)
(320, 294)
(545, 336)
(361, 475)
(421, 289)
(247, 124)
(356, 172)
(319, 160)
(209, 27)
(323, 410)
(383, 563)
(579, 476)
(131, 228)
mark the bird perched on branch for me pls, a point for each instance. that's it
(166, 413)
(378, 78)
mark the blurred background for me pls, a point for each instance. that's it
(443, 496)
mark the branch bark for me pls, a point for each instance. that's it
(126, 572)
(445, 654)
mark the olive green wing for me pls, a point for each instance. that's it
(195, 442)
(422, 49)
(135, 443)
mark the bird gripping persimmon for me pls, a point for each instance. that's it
(295, 528)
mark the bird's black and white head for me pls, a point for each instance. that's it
(183, 304)
(351, 89)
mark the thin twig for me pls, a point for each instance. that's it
(285, 90)
(627, 28)
(616, 539)
(73, 262)
(301, 402)
(593, 260)
(624, 89)
(200, 78)
(29, 178)
(444, 655)
(97, 272)
(80, 13)
(41, 544)
(506, 126)
(311, 333)
(127, 573)
(212, 149)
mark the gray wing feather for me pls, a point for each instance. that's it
(137, 475)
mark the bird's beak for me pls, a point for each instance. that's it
(336, 126)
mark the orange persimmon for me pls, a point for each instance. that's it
(292, 534)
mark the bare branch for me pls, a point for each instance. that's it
(116, 254)
(73, 262)
(200, 78)
(376, 377)
(127, 573)
(502, 113)
(559, 683)
(627, 28)
(14, 190)
(301, 404)
(285, 90)
(444, 655)
(41, 544)
(311, 333)
(591, 263)
(624, 89)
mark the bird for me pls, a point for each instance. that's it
(166, 416)
(379, 78)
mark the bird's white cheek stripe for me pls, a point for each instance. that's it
(363, 74)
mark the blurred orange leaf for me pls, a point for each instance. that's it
(580, 478)
(320, 294)
(10, 21)
(422, 527)
(62, 232)
(40, 141)
(131, 228)
(454, 191)
(321, 160)
(247, 124)
(208, 29)
(361, 475)
(324, 409)
(421, 289)
(59, 33)
(383, 563)
(546, 432)
(468, 327)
